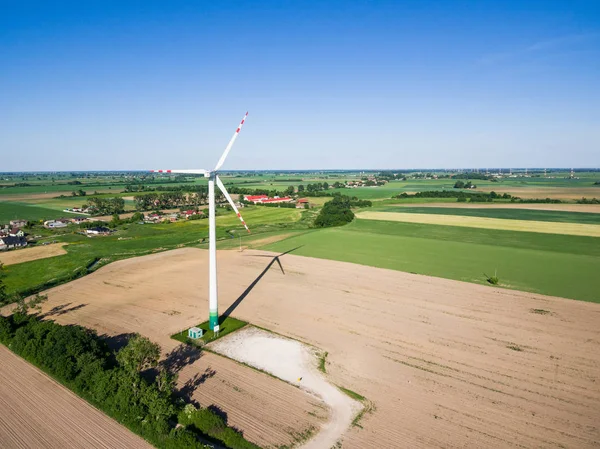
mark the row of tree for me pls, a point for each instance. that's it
(172, 200)
(458, 194)
(129, 385)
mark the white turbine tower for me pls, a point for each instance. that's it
(212, 175)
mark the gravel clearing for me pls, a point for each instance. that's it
(293, 362)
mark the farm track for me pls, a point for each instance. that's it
(36, 411)
(445, 363)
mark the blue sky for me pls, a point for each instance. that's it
(331, 84)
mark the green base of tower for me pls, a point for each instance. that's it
(213, 320)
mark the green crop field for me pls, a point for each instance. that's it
(12, 210)
(557, 265)
(511, 214)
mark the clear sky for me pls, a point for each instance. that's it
(95, 85)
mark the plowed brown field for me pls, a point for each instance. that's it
(37, 412)
(447, 364)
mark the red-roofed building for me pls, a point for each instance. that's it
(285, 199)
(256, 198)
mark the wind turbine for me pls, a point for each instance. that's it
(212, 175)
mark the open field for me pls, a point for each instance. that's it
(120, 299)
(446, 364)
(552, 264)
(12, 211)
(36, 411)
(545, 227)
(503, 213)
(561, 193)
(29, 254)
(134, 240)
(453, 204)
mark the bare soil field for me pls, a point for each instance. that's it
(37, 412)
(123, 300)
(545, 227)
(591, 208)
(445, 363)
(28, 254)
(561, 193)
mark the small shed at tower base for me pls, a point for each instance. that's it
(195, 333)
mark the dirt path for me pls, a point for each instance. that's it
(296, 363)
(27, 254)
(37, 412)
(545, 227)
(446, 364)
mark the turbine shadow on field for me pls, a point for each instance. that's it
(62, 309)
(238, 301)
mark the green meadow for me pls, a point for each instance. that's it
(558, 265)
(13, 210)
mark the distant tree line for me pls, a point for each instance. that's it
(464, 185)
(472, 175)
(461, 196)
(588, 201)
(129, 385)
(476, 197)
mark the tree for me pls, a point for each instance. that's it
(300, 188)
(139, 354)
(3, 294)
(290, 190)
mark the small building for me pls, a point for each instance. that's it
(256, 198)
(195, 333)
(152, 218)
(301, 203)
(98, 230)
(12, 242)
(18, 223)
(16, 232)
(78, 220)
(55, 224)
(285, 199)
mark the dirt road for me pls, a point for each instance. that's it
(37, 412)
(447, 364)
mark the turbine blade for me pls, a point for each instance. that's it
(191, 172)
(222, 187)
(226, 152)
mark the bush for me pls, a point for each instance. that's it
(82, 361)
(210, 423)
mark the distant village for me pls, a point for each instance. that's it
(14, 234)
